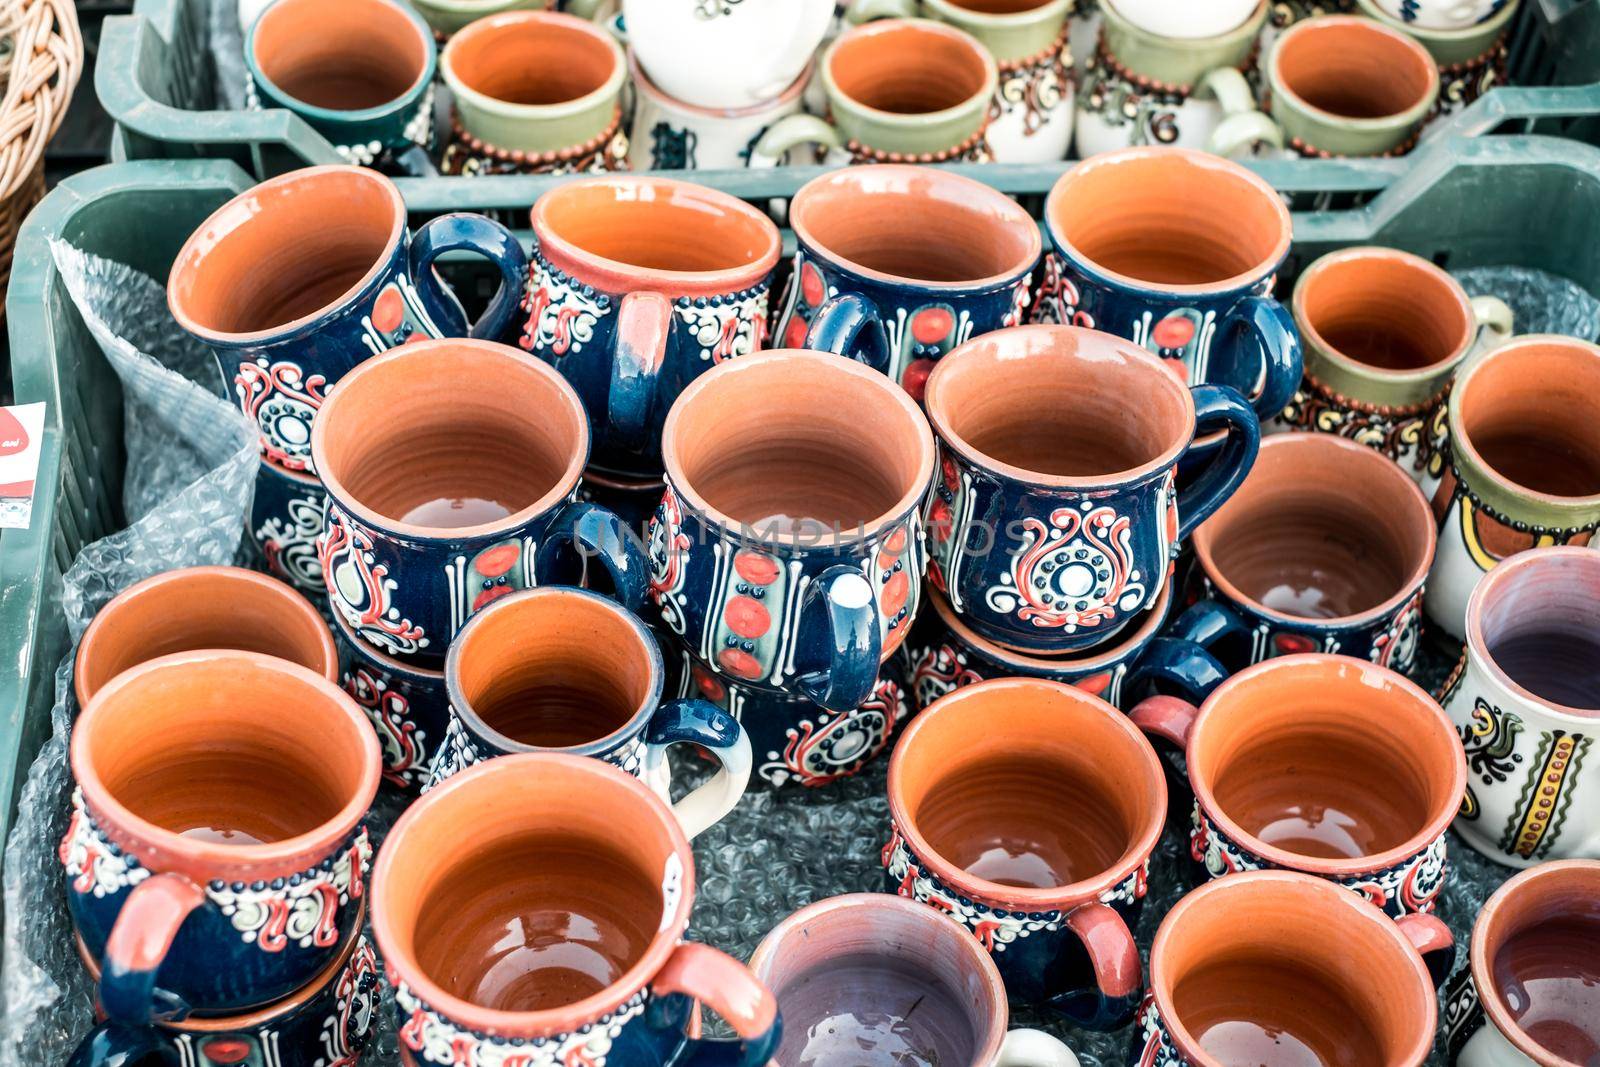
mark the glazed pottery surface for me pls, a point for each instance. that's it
(896, 265)
(286, 516)
(633, 500)
(1188, 277)
(1456, 50)
(669, 134)
(787, 553)
(407, 706)
(726, 53)
(638, 285)
(565, 852)
(447, 16)
(297, 280)
(1441, 14)
(1026, 811)
(1180, 18)
(441, 502)
(1527, 706)
(216, 857)
(1056, 517)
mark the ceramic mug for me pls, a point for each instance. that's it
(850, 972)
(443, 500)
(1027, 811)
(787, 553)
(1321, 764)
(637, 286)
(897, 265)
(215, 859)
(1528, 996)
(1191, 282)
(633, 500)
(1057, 517)
(1471, 59)
(297, 280)
(286, 517)
(1523, 464)
(1441, 14)
(1179, 18)
(564, 670)
(594, 869)
(197, 608)
(669, 134)
(445, 17)
(726, 53)
(1384, 333)
(1277, 963)
(1527, 706)
(406, 704)
(359, 72)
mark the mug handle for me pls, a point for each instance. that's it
(473, 233)
(1270, 325)
(1034, 1048)
(639, 348)
(594, 532)
(1165, 718)
(140, 939)
(118, 1045)
(1495, 316)
(1433, 940)
(1243, 126)
(1185, 665)
(1217, 406)
(1113, 1000)
(699, 722)
(790, 132)
(849, 325)
(855, 646)
(727, 987)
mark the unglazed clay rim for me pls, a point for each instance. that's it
(340, 495)
(541, 18)
(1326, 867)
(855, 176)
(462, 707)
(801, 361)
(550, 1022)
(1354, 453)
(642, 82)
(1053, 898)
(429, 65)
(192, 253)
(1482, 968)
(1478, 647)
(378, 659)
(1043, 12)
(1309, 331)
(252, 583)
(160, 849)
(621, 484)
(1409, 116)
(1122, 156)
(1127, 349)
(1154, 617)
(1338, 896)
(991, 70)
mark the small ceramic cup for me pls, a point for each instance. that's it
(1528, 997)
(1343, 85)
(897, 265)
(1179, 18)
(359, 72)
(215, 859)
(407, 706)
(787, 553)
(564, 670)
(596, 874)
(638, 285)
(1527, 706)
(1322, 764)
(1056, 517)
(669, 134)
(286, 518)
(1276, 963)
(1523, 466)
(874, 978)
(535, 92)
(1192, 282)
(1027, 811)
(197, 608)
(1384, 333)
(726, 53)
(443, 500)
(295, 281)
(1441, 14)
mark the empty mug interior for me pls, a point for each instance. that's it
(1353, 68)
(285, 253)
(1534, 622)
(553, 668)
(917, 225)
(532, 58)
(450, 437)
(1384, 310)
(908, 67)
(345, 56)
(1322, 528)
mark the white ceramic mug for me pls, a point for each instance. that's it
(668, 134)
(725, 53)
(1184, 18)
(1441, 14)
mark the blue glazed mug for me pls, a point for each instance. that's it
(287, 513)
(406, 704)
(297, 280)
(1056, 518)
(564, 670)
(1177, 251)
(899, 264)
(787, 553)
(452, 471)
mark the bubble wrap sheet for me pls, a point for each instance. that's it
(1542, 302)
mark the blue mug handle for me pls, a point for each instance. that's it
(699, 722)
(589, 531)
(141, 937)
(849, 325)
(1186, 666)
(120, 1045)
(639, 348)
(723, 984)
(472, 233)
(1269, 324)
(855, 644)
(1217, 407)
(1113, 998)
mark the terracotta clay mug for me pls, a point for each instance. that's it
(1026, 811)
(1271, 965)
(197, 608)
(216, 859)
(295, 281)
(869, 978)
(594, 875)
(1056, 517)
(443, 500)
(564, 670)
